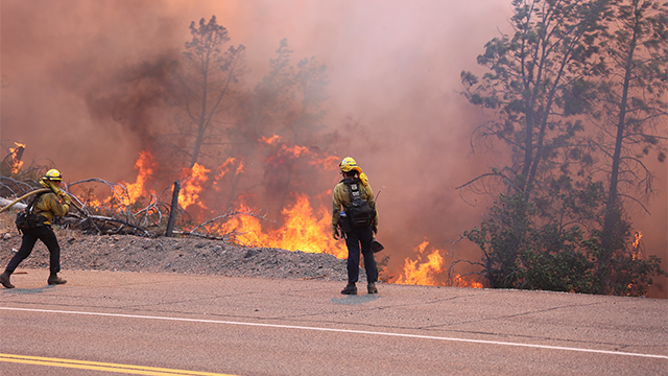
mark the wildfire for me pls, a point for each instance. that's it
(458, 281)
(426, 272)
(145, 165)
(225, 168)
(192, 186)
(423, 273)
(297, 151)
(270, 140)
(17, 155)
(302, 227)
(636, 245)
(637, 236)
(301, 231)
(326, 162)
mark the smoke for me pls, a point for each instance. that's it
(87, 77)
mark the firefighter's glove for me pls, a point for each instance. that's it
(46, 183)
(335, 233)
(67, 199)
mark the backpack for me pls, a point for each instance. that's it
(359, 212)
(26, 219)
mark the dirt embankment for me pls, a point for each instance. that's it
(172, 255)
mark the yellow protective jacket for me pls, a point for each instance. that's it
(341, 199)
(48, 206)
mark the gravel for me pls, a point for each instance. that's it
(175, 255)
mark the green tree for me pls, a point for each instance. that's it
(520, 250)
(554, 226)
(551, 49)
(530, 77)
(631, 113)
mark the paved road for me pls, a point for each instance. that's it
(156, 324)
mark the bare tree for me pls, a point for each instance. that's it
(206, 85)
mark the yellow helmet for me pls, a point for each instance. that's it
(348, 164)
(53, 175)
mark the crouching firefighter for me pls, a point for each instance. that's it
(45, 207)
(354, 211)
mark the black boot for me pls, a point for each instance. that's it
(4, 280)
(371, 288)
(54, 280)
(350, 289)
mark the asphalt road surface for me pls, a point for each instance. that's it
(112, 323)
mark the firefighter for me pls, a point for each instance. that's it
(357, 238)
(47, 206)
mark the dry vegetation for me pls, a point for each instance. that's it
(170, 255)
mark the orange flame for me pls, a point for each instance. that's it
(458, 281)
(327, 162)
(192, 186)
(295, 151)
(425, 272)
(637, 236)
(240, 168)
(16, 157)
(224, 168)
(146, 166)
(636, 245)
(302, 230)
(270, 140)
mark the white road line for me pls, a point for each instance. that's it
(417, 336)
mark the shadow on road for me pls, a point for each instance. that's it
(355, 299)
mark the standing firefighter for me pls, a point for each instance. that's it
(46, 207)
(354, 211)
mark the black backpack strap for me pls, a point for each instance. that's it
(354, 188)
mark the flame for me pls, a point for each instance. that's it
(636, 245)
(638, 235)
(426, 272)
(145, 165)
(295, 151)
(93, 203)
(17, 154)
(458, 281)
(303, 227)
(423, 273)
(225, 167)
(240, 168)
(270, 140)
(327, 162)
(302, 230)
(192, 186)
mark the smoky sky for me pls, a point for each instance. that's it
(83, 82)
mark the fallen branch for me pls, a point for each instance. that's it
(24, 197)
(200, 235)
(109, 219)
(318, 277)
(227, 215)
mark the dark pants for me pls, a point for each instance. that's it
(46, 235)
(355, 238)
